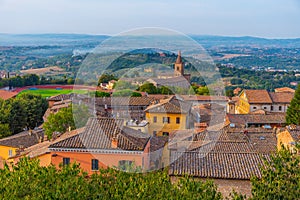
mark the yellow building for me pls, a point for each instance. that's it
(13, 145)
(168, 115)
(253, 101)
(288, 137)
(41, 151)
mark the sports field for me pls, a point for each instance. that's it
(51, 92)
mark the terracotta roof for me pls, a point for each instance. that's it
(7, 94)
(24, 139)
(284, 89)
(124, 101)
(226, 147)
(282, 97)
(42, 148)
(157, 143)
(159, 96)
(243, 119)
(263, 142)
(205, 98)
(178, 81)
(171, 105)
(258, 96)
(60, 97)
(216, 165)
(99, 133)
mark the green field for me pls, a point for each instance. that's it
(52, 92)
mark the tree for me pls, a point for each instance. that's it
(4, 130)
(72, 117)
(202, 91)
(164, 90)
(293, 111)
(149, 88)
(105, 78)
(34, 108)
(29, 180)
(136, 94)
(102, 94)
(59, 122)
(280, 177)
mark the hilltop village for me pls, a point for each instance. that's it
(216, 137)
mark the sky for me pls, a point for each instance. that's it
(261, 18)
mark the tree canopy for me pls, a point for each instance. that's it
(25, 111)
(293, 111)
(280, 177)
(71, 117)
(28, 180)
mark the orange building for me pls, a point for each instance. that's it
(40, 151)
(106, 143)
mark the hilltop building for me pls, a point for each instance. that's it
(179, 79)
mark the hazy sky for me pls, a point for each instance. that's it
(264, 18)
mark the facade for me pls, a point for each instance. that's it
(105, 142)
(256, 120)
(13, 145)
(253, 100)
(123, 107)
(168, 115)
(41, 152)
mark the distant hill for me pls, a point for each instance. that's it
(49, 39)
(209, 41)
(81, 39)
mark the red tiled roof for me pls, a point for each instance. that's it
(24, 139)
(258, 96)
(99, 132)
(284, 89)
(216, 165)
(7, 95)
(172, 105)
(204, 98)
(282, 97)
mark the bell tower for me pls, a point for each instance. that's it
(179, 66)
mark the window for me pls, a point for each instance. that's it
(272, 108)
(254, 107)
(177, 120)
(10, 152)
(165, 134)
(95, 164)
(154, 133)
(166, 120)
(66, 161)
(280, 108)
(154, 119)
(265, 108)
(124, 164)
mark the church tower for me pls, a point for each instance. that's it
(179, 66)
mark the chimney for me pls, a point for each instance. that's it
(114, 142)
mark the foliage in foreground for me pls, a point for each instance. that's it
(28, 180)
(280, 177)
